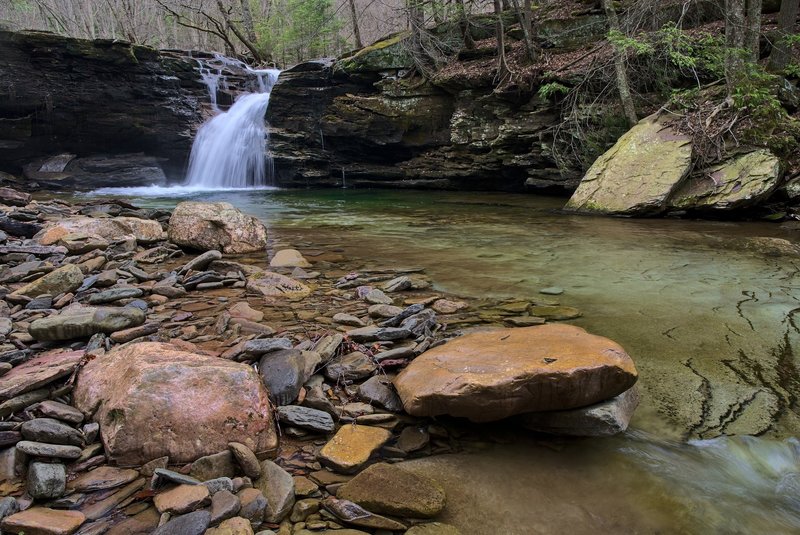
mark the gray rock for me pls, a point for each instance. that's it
(327, 345)
(224, 505)
(397, 319)
(214, 466)
(283, 373)
(398, 284)
(348, 319)
(383, 311)
(8, 506)
(306, 418)
(277, 486)
(46, 481)
(396, 353)
(114, 294)
(195, 523)
(413, 439)
(162, 476)
(90, 432)
(201, 262)
(377, 297)
(353, 366)
(85, 322)
(263, 346)
(50, 431)
(553, 290)
(378, 390)
(246, 458)
(60, 411)
(378, 334)
(40, 449)
(420, 323)
(219, 484)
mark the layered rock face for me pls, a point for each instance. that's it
(94, 97)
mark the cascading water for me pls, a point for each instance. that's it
(232, 149)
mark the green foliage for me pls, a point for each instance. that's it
(552, 89)
(299, 30)
(638, 45)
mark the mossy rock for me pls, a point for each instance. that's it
(388, 53)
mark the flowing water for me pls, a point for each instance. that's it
(709, 323)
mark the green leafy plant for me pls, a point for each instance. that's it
(552, 89)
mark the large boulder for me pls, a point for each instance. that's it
(741, 182)
(154, 400)
(108, 228)
(216, 226)
(487, 376)
(638, 174)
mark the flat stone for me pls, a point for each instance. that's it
(303, 509)
(201, 262)
(162, 475)
(182, 499)
(232, 526)
(376, 334)
(348, 319)
(352, 366)
(524, 321)
(356, 515)
(270, 284)
(46, 481)
(195, 523)
(115, 294)
(602, 419)
(433, 528)
(83, 322)
(43, 521)
(253, 504)
(306, 418)
(390, 490)
(245, 311)
(286, 258)
(38, 372)
(126, 335)
(141, 523)
(383, 311)
(50, 431)
(377, 297)
(218, 484)
(352, 446)
(555, 312)
(60, 411)
(413, 439)
(100, 509)
(491, 375)
(277, 486)
(552, 290)
(154, 400)
(446, 306)
(214, 466)
(398, 284)
(102, 478)
(378, 390)
(262, 346)
(40, 449)
(224, 505)
(246, 459)
(62, 280)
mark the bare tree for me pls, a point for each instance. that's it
(524, 17)
(781, 48)
(356, 29)
(503, 72)
(620, 67)
(752, 36)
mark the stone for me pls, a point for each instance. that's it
(142, 523)
(46, 481)
(603, 419)
(83, 322)
(352, 446)
(195, 523)
(270, 284)
(303, 509)
(102, 478)
(306, 418)
(214, 466)
(353, 513)
(163, 475)
(375, 334)
(41, 449)
(524, 321)
(108, 228)
(50, 431)
(283, 373)
(253, 504)
(738, 183)
(247, 459)
(219, 484)
(62, 280)
(378, 390)
(115, 294)
(38, 372)
(13, 463)
(377, 297)
(446, 306)
(289, 258)
(552, 290)
(277, 486)
(153, 400)
(99, 509)
(8, 506)
(638, 174)
(262, 346)
(232, 526)
(398, 284)
(304, 487)
(491, 375)
(433, 528)
(201, 262)
(43, 521)
(60, 411)
(126, 335)
(555, 313)
(244, 311)
(182, 499)
(348, 319)
(413, 439)
(224, 505)
(383, 311)
(12, 197)
(216, 226)
(352, 366)
(389, 490)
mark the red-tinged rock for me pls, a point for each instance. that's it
(43, 521)
(38, 372)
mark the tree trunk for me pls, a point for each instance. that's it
(356, 29)
(238, 33)
(781, 49)
(416, 21)
(463, 21)
(503, 71)
(620, 68)
(734, 41)
(247, 21)
(752, 40)
(524, 24)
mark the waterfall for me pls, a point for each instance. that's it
(232, 149)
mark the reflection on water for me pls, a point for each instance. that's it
(710, 325)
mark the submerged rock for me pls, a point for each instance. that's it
(271, 284)
(216, 226)
(492, 375)
(286, 258)
(352, 446)
(153, 400)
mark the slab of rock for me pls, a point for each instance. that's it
(50, 431)
(555, 312)
(638, 174)
(182, 499)
(244, 311)
(153, 400)
(83, 322)
(216, 226)
(102, 478)
(602, 419)
(374, 334)
(433, 528)
(306, 418)
(114, 294)
(38, 372)
(271, 284)
(247, 460)
(352, 366)
(383, 311)
(487, 376)
(46, 480)
(201, 262)
(62, 280)
(12, 197)
(286, 258)
(378, 390)
(108, 228)
(232, 526)
(214, 466)
(277, 486)
(283, 373)
(253, 504)
(195, 523)
(445, 306)
(43, 521)
(42, 449)
(352, 446)
(389, 490)
(348, 319)
(60, 411)
(224, 505)
(354, 514)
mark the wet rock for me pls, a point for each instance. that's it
(420, 323)
(62, 280)
(51, 431)
(195, 523)
(201, 262)
(492, 375)
(46, 481)
(154, 400)
(375, 334)
(398, 284)
(552, 290)
(524, 321)
(602, 419)
(289, 258)
(216, 226)
(277, 486)
(182, 499)
(445, 306)
(162, 476)
(38, 372)
(115, 294)
(378, 390)
(271, 284)
(12, 197)
(413, 439)
(390, 490)
(352, 446)
(102, 478)
(43, 521)
(246, 459)
(224, 505)
(306, 418)
(232, 526)
(283, 373)
(555, 313)
(83, 322)
(214, 466)
(383, 311)
(41, 449)
(60, 411)
(356, 515)
(349, 367)
(433, 528)
(348, 319)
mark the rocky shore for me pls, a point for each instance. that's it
(180, 373)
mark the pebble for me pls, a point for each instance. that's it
(277, 486)
(348, 319)
(377, 297)
(46, 480)
(306, 418)
(224, 505)
(379, 390)
(246, 459)
(352, 366)
(40, 449)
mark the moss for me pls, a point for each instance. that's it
(388, 53)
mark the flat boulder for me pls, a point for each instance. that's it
(62, 280)
(217, 226)
(154, 400)
(491, 375)
(83, 322)
(638, 174)
(107, 228)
